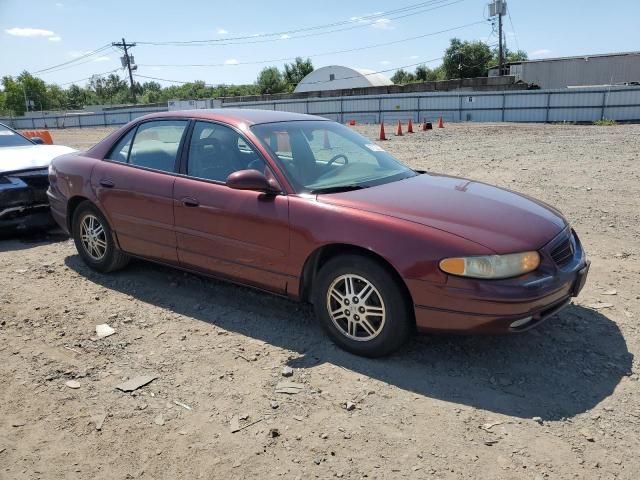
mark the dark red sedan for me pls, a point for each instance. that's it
(307, 208)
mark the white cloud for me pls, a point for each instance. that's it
(284, 37)
(365, 18)
(414, 57)
(383, 24)
(102, 59)
(29, 32)
(385, 62)
(231, 61)
(540, 52)
(222, 31)
(55, 38)
(59, 4)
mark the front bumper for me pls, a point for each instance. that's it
(23, 201)
(503, 306)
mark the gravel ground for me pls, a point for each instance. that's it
(561, 401)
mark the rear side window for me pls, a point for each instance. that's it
(120, 152)
(156, 144)
(152, 145)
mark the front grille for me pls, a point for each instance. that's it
(563, 252)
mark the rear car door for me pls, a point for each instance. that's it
(240, 234)
(134, 186)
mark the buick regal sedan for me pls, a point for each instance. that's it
(306, 208)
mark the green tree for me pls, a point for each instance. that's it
(466, 59)
(402, 77)
(35, 89)
(76, 97)
(270, 81)
(13, 95)
(56, 97)
(426, 74)
(509, 56)
(296, 71)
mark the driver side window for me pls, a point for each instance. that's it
(217, 151)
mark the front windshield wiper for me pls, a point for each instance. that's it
(338, 189)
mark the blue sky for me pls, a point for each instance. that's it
(41, 33)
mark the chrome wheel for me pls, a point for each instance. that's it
(93, 237)
(356, 307)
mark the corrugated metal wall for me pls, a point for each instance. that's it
(588, 70)
(566, 105)
(574, 105)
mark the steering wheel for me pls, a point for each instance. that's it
(340, 155)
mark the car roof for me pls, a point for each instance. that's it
(236, 116)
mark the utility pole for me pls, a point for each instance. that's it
(127, 61)
(497, 9)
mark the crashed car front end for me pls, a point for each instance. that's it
(23, 199)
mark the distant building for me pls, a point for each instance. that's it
(584, 70)
(335, 77)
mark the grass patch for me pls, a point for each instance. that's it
(605, 122)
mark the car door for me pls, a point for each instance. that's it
(134, 186)
(240, 234)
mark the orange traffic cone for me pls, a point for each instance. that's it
(399, 129)
(382, 134)
(326, 144)
(440, 123)
(410, 126)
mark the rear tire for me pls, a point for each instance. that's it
(362, 306)
(94, 239)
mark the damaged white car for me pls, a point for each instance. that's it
(24, 166)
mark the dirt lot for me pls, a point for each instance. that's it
(562, 401)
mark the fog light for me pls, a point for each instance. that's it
(520, 323)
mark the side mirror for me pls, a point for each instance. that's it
(252, 180)
(37, 140)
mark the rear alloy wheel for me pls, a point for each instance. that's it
(361, 305)
(94, 239)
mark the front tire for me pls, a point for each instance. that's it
(94, 239)
(362, 306)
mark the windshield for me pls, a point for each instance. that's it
(324, 157)
(9, 138)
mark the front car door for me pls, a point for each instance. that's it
(134, 186)
(239, 234)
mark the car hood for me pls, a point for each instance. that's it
(13, 159)
(498, 219)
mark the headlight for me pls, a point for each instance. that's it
(492, 266)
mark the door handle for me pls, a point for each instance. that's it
(107, 183)
(190, 202)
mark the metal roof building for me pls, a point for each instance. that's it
(335, 77)
(584, 70)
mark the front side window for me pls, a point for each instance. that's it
(217, 151)
(152, 145)
(321, 155)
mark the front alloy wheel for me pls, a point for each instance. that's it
(356, 307)
(362, 305)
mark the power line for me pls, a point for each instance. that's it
(88, 78)
(86, 55)
(513, 29)
(285, 34)
(334, 52)
(307, 83)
